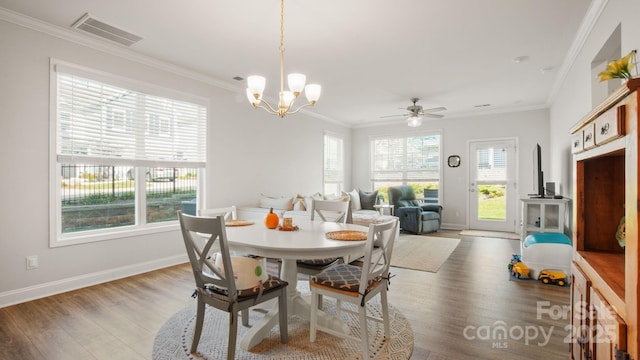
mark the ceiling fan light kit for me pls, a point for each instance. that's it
(296, 82)
(415, 113)
(414, 121)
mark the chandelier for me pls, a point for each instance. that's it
(256, 84)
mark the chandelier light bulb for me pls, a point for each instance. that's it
(296, 83)
(286, 99)
(256, 85)
(252, 99)
(312, 92)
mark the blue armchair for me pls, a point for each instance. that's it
(414, 216)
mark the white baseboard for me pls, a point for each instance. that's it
(17, 296)
(446, 226)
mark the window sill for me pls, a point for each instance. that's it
(111, 234)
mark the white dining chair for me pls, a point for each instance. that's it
(216, 286)
(326, 210)
(358, 284)
(332, 210)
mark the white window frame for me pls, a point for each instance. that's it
(339, 168)
(404, 178)
(56, 237)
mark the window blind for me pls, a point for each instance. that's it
(333, 158)
(400, 159)
(100, 123)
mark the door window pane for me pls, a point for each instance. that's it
(492, 204)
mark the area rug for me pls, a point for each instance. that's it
(493, 234)
(173, 341)
(420, 252)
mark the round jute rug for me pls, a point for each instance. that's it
(173, 341)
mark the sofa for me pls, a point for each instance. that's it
(299, 206)
(415, 217)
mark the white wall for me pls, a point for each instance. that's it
(529, 128)
(249, 152)
(574, 101)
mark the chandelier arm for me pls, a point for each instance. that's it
(268, 108)
(300, 108)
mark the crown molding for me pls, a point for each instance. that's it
(112, 49)
(128, 54)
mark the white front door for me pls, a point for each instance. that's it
(492, 185)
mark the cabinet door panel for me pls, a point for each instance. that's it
(608, 330)
(580, 292)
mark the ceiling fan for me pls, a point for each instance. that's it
(416, 112)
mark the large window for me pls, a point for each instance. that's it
(412, 160)
(125, 156)
(333, 164)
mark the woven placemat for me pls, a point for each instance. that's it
(238, 222)
(347, 235)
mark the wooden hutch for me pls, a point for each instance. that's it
(604, 290)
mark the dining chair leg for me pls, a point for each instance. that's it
(364, 331)
(233, 334)
(313, 319)
(284, 318)
(199, 321)
(245, 317)
(385, 314)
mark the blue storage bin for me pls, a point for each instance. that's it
(546, 238)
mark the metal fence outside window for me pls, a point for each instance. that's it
(96, 197)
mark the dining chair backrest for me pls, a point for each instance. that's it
(230, 212)
(200, 255)
(332, 210)
(378, 251)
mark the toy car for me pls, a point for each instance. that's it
(514, 259)
(557, 277)
(520, 270)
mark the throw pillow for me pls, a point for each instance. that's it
(355, 200)
(277, 203)
(368, 199)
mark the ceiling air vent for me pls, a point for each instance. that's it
(105, 31)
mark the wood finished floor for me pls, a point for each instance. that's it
(456, 313)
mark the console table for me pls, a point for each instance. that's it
(543, 215)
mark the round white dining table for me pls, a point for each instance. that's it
(308, 242)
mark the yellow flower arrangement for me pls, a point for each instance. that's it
(619, 69)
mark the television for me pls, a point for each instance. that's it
(538, 175)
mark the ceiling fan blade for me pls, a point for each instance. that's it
(397, 115)
(440, 108)
(437, 116)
